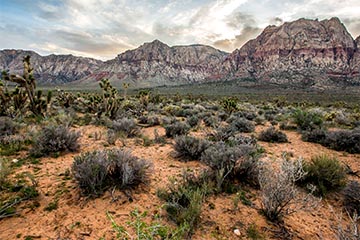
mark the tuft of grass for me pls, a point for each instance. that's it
(326, 173)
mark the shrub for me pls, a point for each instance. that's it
(176, 129)
(190, 148)
(211, 121)
(326, 173)
(7, 126)
(193, 121)
(344, 140)
(125, 126)
(54, 139)
(228, 162)
(222, 134)
(184, 198)
(150, 120)
(273, 135)
(242, 125)
(307, 121)
(315, 136)
(351, 201)
(96, 171)
(279, 195)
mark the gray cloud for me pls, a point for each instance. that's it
(249, 30)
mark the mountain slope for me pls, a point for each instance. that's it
(52, 69)
(305, 52)
(155, 64)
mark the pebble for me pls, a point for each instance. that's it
(237, 232)
(15, 160)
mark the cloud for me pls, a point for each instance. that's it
(104, 28)
(243, 23)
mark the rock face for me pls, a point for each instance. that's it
(305, 52)
(52, 69)
(155, 64)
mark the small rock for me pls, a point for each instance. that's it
(15, 160)
(237, 232)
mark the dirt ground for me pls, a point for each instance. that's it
(79, 218)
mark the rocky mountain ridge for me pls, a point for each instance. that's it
(305, 53)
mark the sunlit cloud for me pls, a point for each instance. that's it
(104, 28)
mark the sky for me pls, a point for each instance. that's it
(102, 29)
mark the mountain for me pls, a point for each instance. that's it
(52, 69)
(156, 64)
(303, 53)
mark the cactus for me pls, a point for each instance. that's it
(229, 104)
(27, 83)
(110, 100)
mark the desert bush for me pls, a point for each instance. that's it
(287, 126)
(7, 126)
(193, 121)
(351, 201)
(4, 172)
(242, 125)
(272, 135)
(222, 133)
(230, 162)
(150, 120)
(211, 121)
(176, 129)
(344, 140)
(279, 195)
(315, 136)
(241, 140)
(326, 173)
(98, 170)
(307, 121)
(184, 198)
(190, 148)
(54, 139)
(125, 126)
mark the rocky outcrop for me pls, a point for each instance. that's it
(305, 52)
(155, 64)
(51, 69)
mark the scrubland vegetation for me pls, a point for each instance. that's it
(222, 146)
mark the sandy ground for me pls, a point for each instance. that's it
(80, 218)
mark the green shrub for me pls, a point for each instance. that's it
(351, 201)
(176, 129)
(184, 198)
(273, 135)
(54, 139)
(97, 171)
(326, 173)
(190, 148)
(307, 121)
(193, 121)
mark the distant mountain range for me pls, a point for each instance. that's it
(303, 53)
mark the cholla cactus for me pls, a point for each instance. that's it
(27, 82)
(110, 99)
